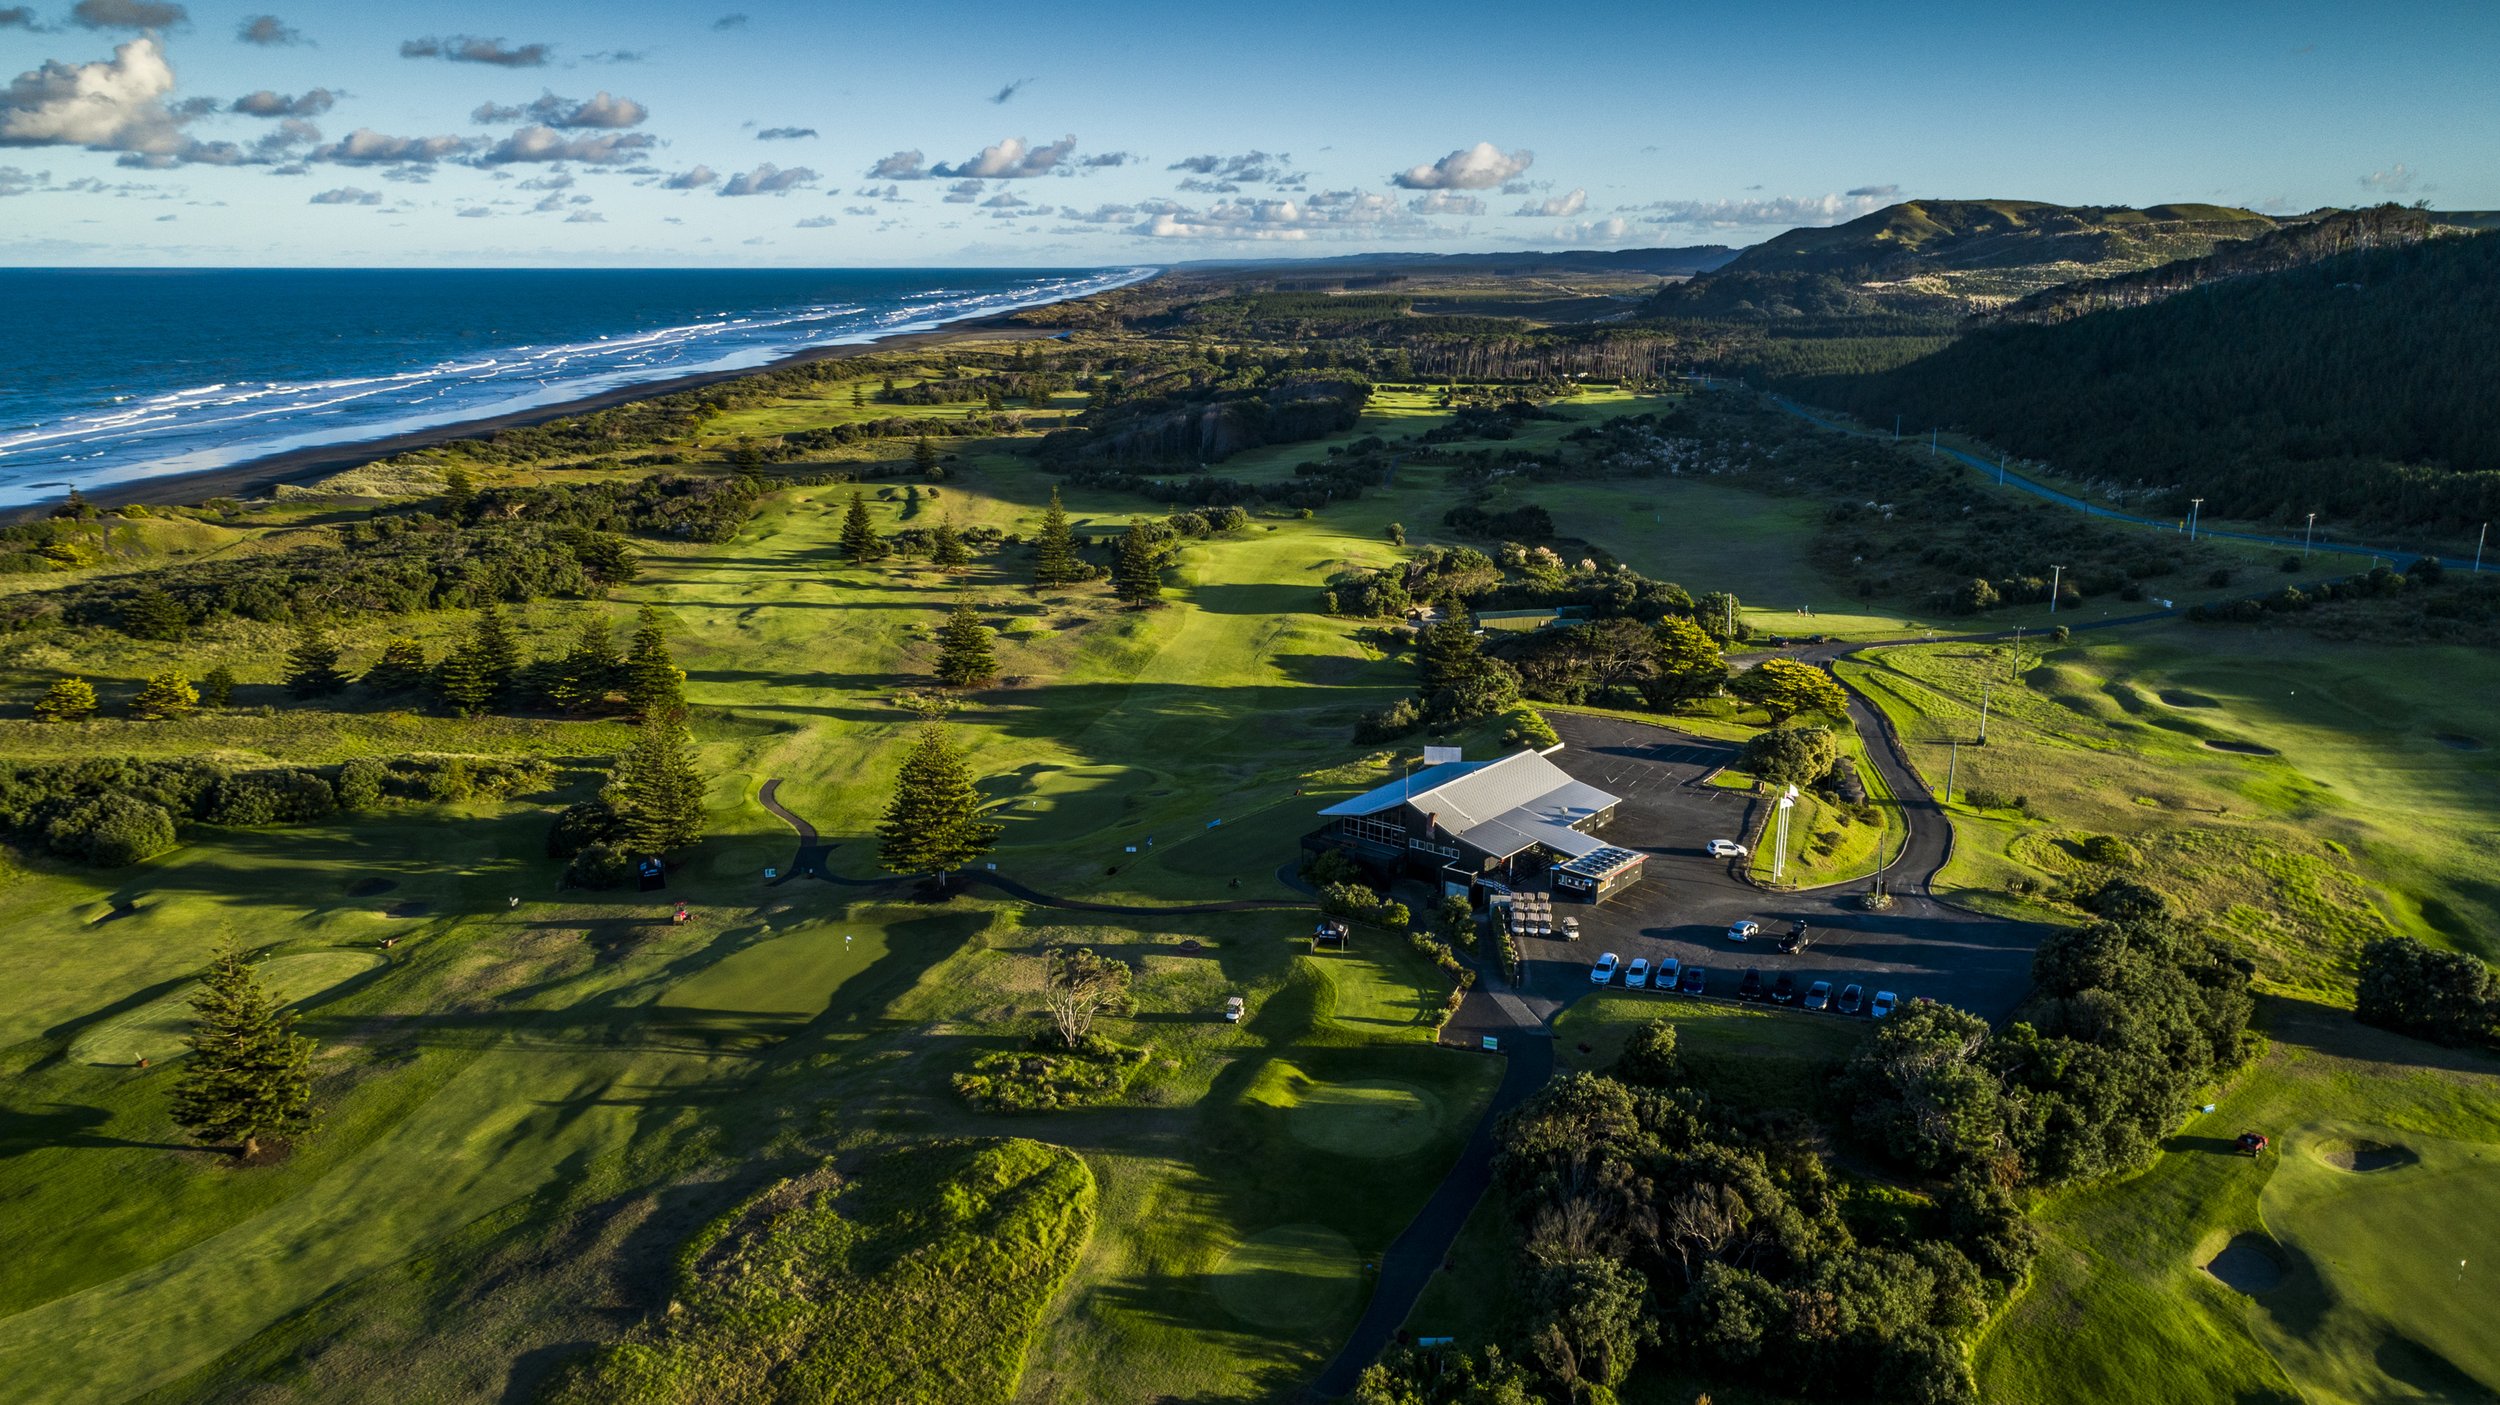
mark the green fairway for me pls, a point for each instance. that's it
(156, 1030)
(1292, 1277)
(2364, 1299)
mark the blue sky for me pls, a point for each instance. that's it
(823, 134)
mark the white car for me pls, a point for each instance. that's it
(1670, 971)
(1724, 849)
(1743, 931)
(1884, 1001)
(1603, 971)
(1636, 975)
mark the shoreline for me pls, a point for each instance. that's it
(295, 465)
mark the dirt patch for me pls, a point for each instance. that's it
(2361, 1156)
(371, 887)
(2249, 1264)
(2459, 741)
(406, 907)
(2181, 697)
(2241, 748)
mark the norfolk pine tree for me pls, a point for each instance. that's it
(924, 455)
(1054, 550)
(498, 651)
(312, 665)
(965, 659)
(217, 686)
(946, 549)
(658, 791)
(654, 684)
(250, 1074)
(860, 541)
(462, 682)
(589, 669)
(1138, 577)
(401, 669)
(934, 824)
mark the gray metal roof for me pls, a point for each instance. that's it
(1500, 806)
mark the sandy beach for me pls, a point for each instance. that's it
(296, 466)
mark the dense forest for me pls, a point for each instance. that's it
(2359, 388)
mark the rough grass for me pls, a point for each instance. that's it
(918, 1278)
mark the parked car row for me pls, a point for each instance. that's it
(1782, 989)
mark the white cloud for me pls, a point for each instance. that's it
(1011, 159)
(268, 31)
(2399, 179)
(901, 166)
(268, 104)
(602, 111)
(548, 144)
(468, 48)
(1478, 167)
(767, 179)
(784, 133)
(1559, 207)
(347, 195)
(367, 147)
(115, 104)
(1341, 214)
(695, 179)
(964, 192)
(1442, 202)
(1784, 211)
(585, 217)
(817, 222)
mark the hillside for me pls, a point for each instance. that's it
(2358, 387)
(1943, 257)
(2290, 246)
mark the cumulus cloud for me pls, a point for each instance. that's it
(2399, 179)
(726, 22)
(347, 195)
(1009, 91)
(1345, 214)
(767, 179)
(547, 144)
(1558, 207)
(1224, 175)
(1479, 167)
(1011, 159)
(963, 192)
(1784, 210)
(600, 111)
(468, 48)
(16, 180)
(1875, 192)
(1102, 159)
(695, 179)
(268, 104)
(128, 14)
(268, 31)
(476, 212)
(19, 17)
(1006, 200)
(784, 133)
(115, 104)
(1442, 202)
(817, 222)
(367, 147)
(866, 211)
(901, 166)
(585, 217)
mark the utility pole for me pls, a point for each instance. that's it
(2014, 664)
(1896, 427)
(2000, 470)
(1931, 442)
(1779, 847)
(2195, 506)
(1953, 761)
(2056, 573)
(2304, 538)
(2478, 548)
(1983, 712)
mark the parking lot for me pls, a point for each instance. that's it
(1686, 901)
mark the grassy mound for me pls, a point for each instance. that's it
(920, 1280)
(1292, 1276)
(156, 1029)
(1039, 1080)
(1373, 1118)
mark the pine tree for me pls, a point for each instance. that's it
(859, 395)
(991, 398)
(589, 669)
(498, 650)
(67, 700)
(401, 669)
(250, 1074)
(459, 491)
(462, 682)
(1054, 549)
(924, 455)
(947, 551)
(934, 823)
(150, 613)
(860, 541)
(312, 666)
(1137, 579)
(654, 684)
(964, 656)
(168, 695)
(217, 687)
(658, 791)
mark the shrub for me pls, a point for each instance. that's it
(359, 785)
(2447, 997)
(1388, 724)
(278, 795)
(2108, 849)
(1330, 867)
(601, 865)
(68, 700)
(1790, 755)
(1528, 727)
(111, 830)
(1046, 1079)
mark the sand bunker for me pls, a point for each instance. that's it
(2360, 1156)
(2241, 748)
(2248, 1264)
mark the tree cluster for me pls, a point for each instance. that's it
(2447, 997)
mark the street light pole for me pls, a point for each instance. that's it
(2304, 538)
(1779, 846)
(1953, 761)
(1983, 712)
(2478, 547)
(2014, 664)
(2056, 573)
(2195, 506)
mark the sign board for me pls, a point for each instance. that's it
(1131, 849)
(1492, 1043)
(1441, 755)
(772, 873)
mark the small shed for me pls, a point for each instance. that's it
(1599, 874)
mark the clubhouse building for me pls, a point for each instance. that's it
(1519, 822)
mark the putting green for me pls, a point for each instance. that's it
(2398, 1228)
(1296, 1275)
(155, 1030)
(1373, 1118)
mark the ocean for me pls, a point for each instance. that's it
(114, 376)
